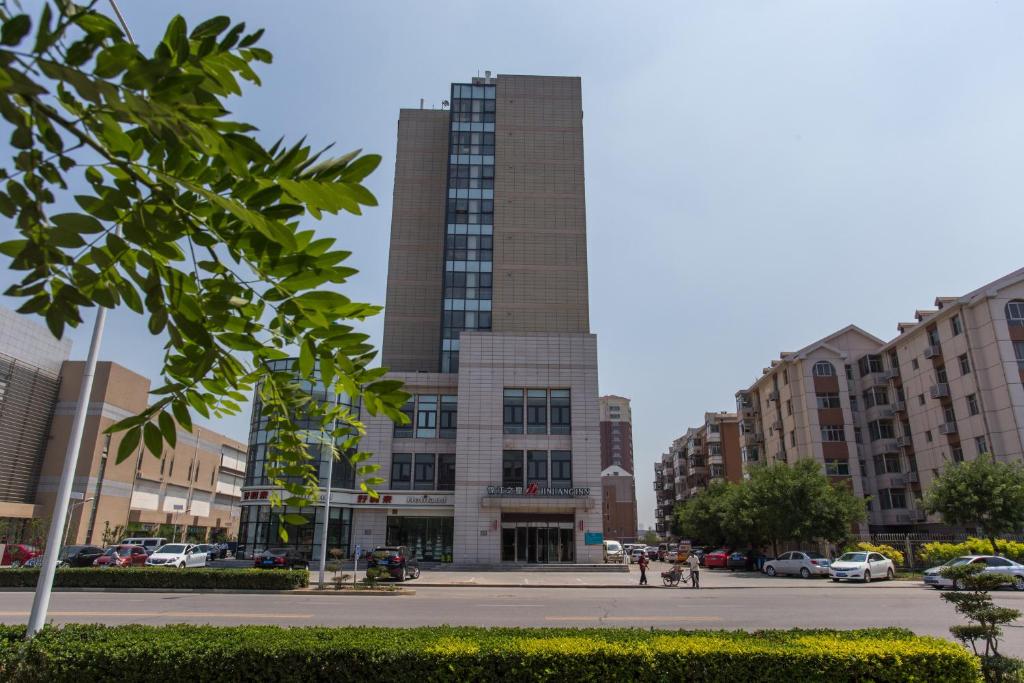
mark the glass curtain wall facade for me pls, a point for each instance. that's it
(259, 523)
(469, 236)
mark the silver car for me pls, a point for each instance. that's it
(994, 565)
(804, 563)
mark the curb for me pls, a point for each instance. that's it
(242, 591)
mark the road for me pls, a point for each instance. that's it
(789, 604)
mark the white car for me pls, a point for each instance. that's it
(861, 566)
(178, 555)
(806, 564)
(995, 565)
(635, 554)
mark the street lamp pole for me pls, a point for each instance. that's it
(67, 522)
(327, 511)
(41, 600)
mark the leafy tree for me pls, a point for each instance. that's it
(700, 517)
(799, 503)
(983, 494)
(189, 221)
(112, 535)
(983, 634)
(650, 537)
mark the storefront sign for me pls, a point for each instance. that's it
(593, 538)
(426, 500)
(539, 491)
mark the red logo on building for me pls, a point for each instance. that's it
(531, 489)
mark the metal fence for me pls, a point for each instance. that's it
(912, 545)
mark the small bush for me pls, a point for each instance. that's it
(159, 577)
(938, 553)
(442, 653)
(886, 550)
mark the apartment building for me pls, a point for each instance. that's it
(618, 487)
(955, 389)
(704, 454)
(487, 324)
(886, 418)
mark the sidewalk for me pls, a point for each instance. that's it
(710, 579)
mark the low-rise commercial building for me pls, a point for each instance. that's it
(193, 491)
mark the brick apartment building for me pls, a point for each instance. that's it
(618, 486)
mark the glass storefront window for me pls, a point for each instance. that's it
(430, 538)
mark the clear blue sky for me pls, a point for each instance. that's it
(758, 174)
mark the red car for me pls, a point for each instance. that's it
(718, 558)
(126, 556)
(19, 553)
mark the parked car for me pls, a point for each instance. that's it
(80, 555)
(180, 555)
(700, 553)
(652, 552)
(398, 560)
(211, 551)
(636, 554)
(18, 554)
(805, 563)
(613, 552)
(742, 560)
(994, 564)
(280, 558)
(861, 566)
(717, 558)
(121, 556)
(150, 543)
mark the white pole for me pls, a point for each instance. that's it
(41, 601)
(327, 512)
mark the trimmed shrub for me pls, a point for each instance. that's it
(442, 653)
(886, 550)
(159, 577)
(938, 553)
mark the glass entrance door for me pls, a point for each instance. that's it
(537, 542)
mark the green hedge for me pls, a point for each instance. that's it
(938, 553)
(160, 577)
(248, 653)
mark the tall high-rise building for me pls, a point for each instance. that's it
(618, 488)
(487, 324)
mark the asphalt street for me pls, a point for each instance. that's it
(814, 604)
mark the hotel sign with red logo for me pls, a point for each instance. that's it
(538, 491)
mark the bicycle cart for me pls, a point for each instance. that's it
(678, 574)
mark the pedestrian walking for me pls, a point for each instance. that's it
(643, 562)
(694, 570)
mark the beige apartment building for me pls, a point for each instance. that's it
(886, 418)
(956, 391)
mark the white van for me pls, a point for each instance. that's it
(613, 552)
(150, 544)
